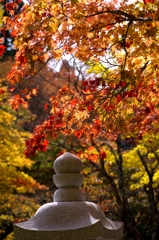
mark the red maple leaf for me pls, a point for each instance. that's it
(43, 146)
(102, 154)
(46, 106)
(2, 49)
(1, 91)
(21, 59)
(148, 1)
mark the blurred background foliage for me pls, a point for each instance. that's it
(17, 188)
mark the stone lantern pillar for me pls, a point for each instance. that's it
(69, 217)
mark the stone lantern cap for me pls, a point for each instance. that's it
(69, 217)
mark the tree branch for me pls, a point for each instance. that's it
(128, 17)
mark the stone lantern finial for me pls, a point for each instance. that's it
(69, 217)
(68, 178)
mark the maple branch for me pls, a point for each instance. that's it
(128, 16)
(145, 165)
(111, 150)
(25, 83)
(157, 157)
(144, 67)
(80, 75)
(104, 26)
(107, 59)
(123, 41)
(45, 80)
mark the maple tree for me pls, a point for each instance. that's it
(117, 41)
(118, 45)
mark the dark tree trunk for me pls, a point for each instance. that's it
(155, 235)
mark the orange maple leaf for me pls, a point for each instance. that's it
(34, 91)
(73, 102)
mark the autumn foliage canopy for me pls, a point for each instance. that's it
(118, 43)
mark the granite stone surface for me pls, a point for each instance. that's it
(69, 217)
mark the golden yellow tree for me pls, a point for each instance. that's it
(15, 184)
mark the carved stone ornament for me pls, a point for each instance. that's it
(69, 217)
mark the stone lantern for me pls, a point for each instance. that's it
(69, 217)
